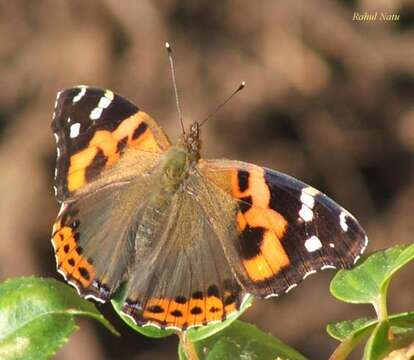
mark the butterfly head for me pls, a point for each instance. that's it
(192, 141)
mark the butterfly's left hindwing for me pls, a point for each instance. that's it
(286, 229)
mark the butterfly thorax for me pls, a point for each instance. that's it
(172, 173)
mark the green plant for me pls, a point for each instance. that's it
(368, 284)
(37, 317)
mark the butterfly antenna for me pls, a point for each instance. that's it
(242, 85)
(177, 100)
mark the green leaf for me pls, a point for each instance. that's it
(344, 329)
(378, 344)
(194, 334)
(149, 331)
(37, 316)
(400, 323)
(368, 282)
(242, 341)
(350, 333)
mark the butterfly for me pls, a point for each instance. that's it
(190, 237)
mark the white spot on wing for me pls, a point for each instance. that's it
(80, 94)
(290, 287)
(96, 113)
(307, 197)
(74, 130)
(56, 137)
(313, 243)
(328, 267)
(75, 285)
(365, 244)
(271, 295)
(90, 296)
(310, 272)
(60, 271)
(103, 103)
(342, 221)
(332, 245)
(306, 213)
(109, 94)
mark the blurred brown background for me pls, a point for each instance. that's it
(328, 100)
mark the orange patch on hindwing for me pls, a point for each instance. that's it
(183, 313)
(68, 257)
(134, 131)
(261, 228)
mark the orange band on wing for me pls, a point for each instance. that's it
(268, 219)
(271, 259)
(186, 313)
(134, 130)
(251, 189)
(69, 260)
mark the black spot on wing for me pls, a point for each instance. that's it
(139, 130)
(245, 203)
(120, 147)
(196, 310)
(214, 309)
(250, 240)
(243, 180)
(84, 273)
(176, 313)
(197, 295)
(213, 291)
(96, 166)
(155, 309)
(180, 299)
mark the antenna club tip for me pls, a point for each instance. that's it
(242, 85)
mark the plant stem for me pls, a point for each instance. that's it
(188, 346)
(381, 308)
(347, 346)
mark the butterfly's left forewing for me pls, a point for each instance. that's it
(286, 229)
(93, 129)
